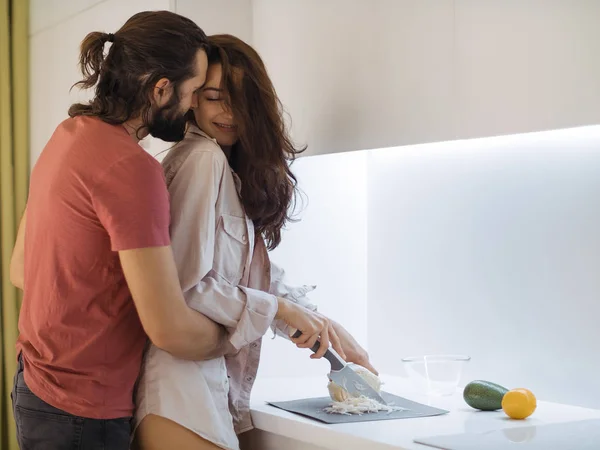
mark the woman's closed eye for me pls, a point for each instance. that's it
(212, 94)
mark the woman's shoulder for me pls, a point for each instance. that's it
(197, 150)
(193, 149)
(195, 141)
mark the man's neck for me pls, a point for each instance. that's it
(132, 126)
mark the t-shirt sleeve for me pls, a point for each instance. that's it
(131, 201)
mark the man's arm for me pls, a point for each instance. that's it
(132, 203)
(17, 264)
(169, 323)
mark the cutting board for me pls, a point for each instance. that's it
(313, 408)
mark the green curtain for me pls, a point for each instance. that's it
(14, 173)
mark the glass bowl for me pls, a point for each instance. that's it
(436, 374)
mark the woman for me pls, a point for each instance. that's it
(231, 190)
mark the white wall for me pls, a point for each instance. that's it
(221, 16)
(490, 248)
(57, 29)
(377, 73)
(46, 14)
(485, 247)
(333, 257)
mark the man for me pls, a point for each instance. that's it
(97, 226)
(99, 277)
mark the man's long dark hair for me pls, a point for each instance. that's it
(151, 45)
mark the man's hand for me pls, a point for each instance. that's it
(354, 352)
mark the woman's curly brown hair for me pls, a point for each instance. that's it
(264, 150)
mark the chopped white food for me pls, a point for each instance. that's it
(345, 403)
(360, 405)
(339, 394)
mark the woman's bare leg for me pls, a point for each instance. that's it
(157, 433)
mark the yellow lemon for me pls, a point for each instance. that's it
(519, 403)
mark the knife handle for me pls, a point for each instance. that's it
(336, 361)
(315, 348)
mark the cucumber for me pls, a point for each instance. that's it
(484, 395)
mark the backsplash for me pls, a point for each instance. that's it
(488, 247)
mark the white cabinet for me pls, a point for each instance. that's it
(526, 65)
(360, 74)
(372, 74)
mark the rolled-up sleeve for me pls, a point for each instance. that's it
(296, 294)
(194, 191)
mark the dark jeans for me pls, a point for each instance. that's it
(43, 427)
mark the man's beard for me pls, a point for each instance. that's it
(167, 125)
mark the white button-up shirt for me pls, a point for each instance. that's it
(225, 274)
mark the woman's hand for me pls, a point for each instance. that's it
(352, 349)
(312, 325)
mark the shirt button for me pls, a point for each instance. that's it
(248, 379)
(254, 345)
(244, 238)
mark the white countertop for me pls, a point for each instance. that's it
(388, 434)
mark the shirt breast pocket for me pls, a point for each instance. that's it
(231, 248)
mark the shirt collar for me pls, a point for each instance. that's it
(193, 128)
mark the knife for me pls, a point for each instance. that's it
(343, 375)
